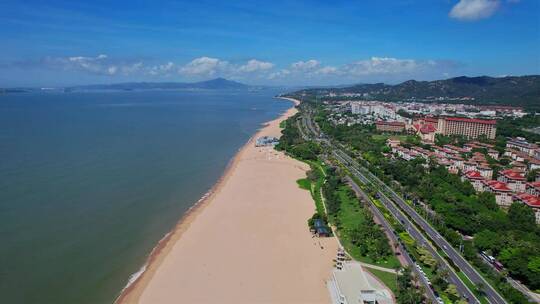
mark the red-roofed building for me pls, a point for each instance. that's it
(534, 163)
(468, 127)
(391, 142)
(503, 194)
(470, 166)
(531, 201)
(456, 149)
(515, 179)
(518, 166)
(476, 179)
(390, 126)
(522, 145)
(458, 161)
(425, 128)
(493, 153)
(469, 146)
(447, 164)
(533, 188)
(485, 170)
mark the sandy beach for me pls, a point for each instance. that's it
(247, 242)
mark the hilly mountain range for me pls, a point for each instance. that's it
(511, 90)
(214, 84)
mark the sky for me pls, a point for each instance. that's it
(61, 43)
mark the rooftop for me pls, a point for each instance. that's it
(473, 174)
(535, 185)
(512, 174)
(531, 200)
(471, 120)
(425, 129)
(390, 123)
(497, 186)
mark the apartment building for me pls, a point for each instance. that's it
(503, 194)
(468, 127)
(390, 126)
(515, 180)
(476, 179)
(532, 201)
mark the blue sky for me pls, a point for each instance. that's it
(55, 43)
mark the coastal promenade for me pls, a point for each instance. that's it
(247, 242)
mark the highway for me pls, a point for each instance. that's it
(492, 295)
(415, 233)
(412, 216)
(429, 293)
(377, 213)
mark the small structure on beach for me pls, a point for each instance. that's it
(320, 228)
(264, 141)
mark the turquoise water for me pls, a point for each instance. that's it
(90, 182)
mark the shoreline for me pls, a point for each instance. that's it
(133, 290)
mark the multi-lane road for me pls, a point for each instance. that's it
(380, 217)
(414, 232)
(416, 225)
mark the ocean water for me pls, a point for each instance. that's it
(90, 182)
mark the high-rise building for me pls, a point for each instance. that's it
(468, 127)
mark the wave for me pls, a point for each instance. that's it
(136, 275)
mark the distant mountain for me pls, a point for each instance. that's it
(512, 90)
(214, 84)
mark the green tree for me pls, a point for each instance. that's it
(452, 292)
(522, 217)
(486, 240)
(531, 176)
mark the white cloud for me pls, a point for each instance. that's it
(305, 65)
(162, 69)
(279, 74)
(112, 70)
(327, 70)
(386, 69)
(254, 65)
(301, 72)
(381, 66)
(100, 65)
(133, 68)
(204, 66)
(470, 10)
(95, 65)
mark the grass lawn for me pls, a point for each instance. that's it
(304, 183)
(405, 237)
(350, 216)
(314, 187)
(382, 137)
(445, 299)
(389, 279)
(471, 286)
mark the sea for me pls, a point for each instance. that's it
(91, 181)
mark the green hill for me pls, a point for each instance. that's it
(512, 90)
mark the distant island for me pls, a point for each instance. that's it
(512, 90)
(213, 84)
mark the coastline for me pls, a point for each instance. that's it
(134, 292)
